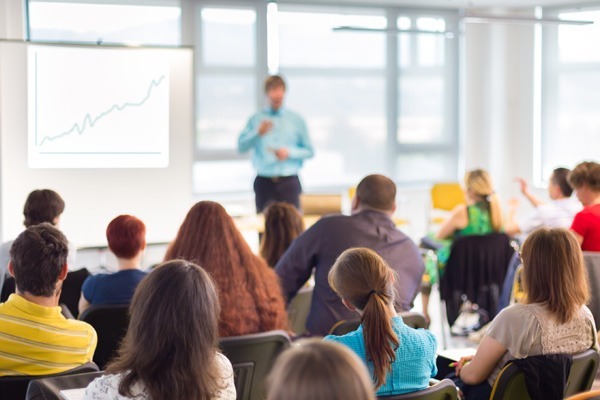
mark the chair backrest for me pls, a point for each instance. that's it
(320, 204)
(592, 263)
(591, 395)
(446, 196)
(510, 384)
(15, 387)
(344, 326)
(110, 323)
(69, 296)
(583, 372)
(476, 267)
(252, 357)
(71, 290)
(50, 388)
(298, 310)
(444, 390)
(413, 319)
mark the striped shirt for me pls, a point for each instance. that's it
(38, 340)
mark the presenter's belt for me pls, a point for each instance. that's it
(278, 179)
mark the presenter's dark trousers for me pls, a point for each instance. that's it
(281, 188)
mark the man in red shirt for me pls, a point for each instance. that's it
(585, 180)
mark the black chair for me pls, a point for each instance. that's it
(49, 388)
(110, 323)
(510, 383)
(444, 390)
(15, 387)
(411, 318)
(71, 290)
(69, 296)
(252, 357)
(476, 267)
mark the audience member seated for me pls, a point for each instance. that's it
(558, 213)
(250, 296)
(316, 370)
(170, 349)
(126, 236)
(42, 205)
(370, 225)
(552, 320)
(585, 180)
(400, 359)
(283, 224)
(35, 338)
(480, 216)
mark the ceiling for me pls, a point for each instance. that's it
(468, 4)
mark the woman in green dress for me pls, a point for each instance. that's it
(479, 216)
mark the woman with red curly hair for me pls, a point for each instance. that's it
(249, 293)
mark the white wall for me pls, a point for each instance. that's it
(160, 197)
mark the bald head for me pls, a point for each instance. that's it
(376, 192)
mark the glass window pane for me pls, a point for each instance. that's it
(430, 167)
(575, 43)
(104, 23)
(225, 102)
(346, 124)
(228, 37)
(308, 40)
(421, 109)
(431, 46)
(576, 122)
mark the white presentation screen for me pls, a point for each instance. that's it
(97, 108)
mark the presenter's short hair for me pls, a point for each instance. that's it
(42, 205)
(274, 81)
(38, 255)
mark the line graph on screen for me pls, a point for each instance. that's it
(97, 108)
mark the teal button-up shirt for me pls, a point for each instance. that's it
(289, 131)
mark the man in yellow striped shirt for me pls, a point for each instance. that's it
(35, 338)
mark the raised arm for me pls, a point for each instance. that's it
(527, 193)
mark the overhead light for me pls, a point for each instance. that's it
(347, 28)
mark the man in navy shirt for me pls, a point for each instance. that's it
(371, 226)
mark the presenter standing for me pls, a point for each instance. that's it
(280, 142)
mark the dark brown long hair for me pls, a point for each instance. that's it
(554, 272)
(249, 292)
(171, 342)
(283, 224)
(363, 278)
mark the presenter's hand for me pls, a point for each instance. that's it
(265, 126)
(282, 153)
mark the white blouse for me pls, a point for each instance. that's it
(106, 387)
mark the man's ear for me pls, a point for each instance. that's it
(63, 272)
(11, 269)
(355, 202)
(348, 305)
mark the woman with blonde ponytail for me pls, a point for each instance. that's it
(400, 359)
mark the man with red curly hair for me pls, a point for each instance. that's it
(126, 237)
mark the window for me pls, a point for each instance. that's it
(571, 93)
(375, 100)
(133, 22)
